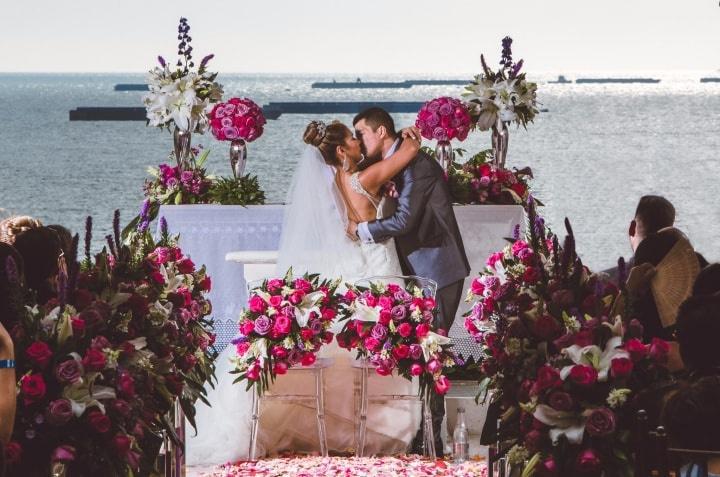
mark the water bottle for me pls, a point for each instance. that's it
(461, 443)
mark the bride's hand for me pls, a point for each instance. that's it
(411, 133)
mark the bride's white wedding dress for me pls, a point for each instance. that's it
(313, 240)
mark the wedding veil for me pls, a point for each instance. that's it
(313, 235)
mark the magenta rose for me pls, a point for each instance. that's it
(588, 461)
(371, 343)
(280, 367)
(282, 324)
(99, 421)
(68, 371)
(416, 369)
(59, 412)
(422, 330)
(404, 330)
(659, 350)
(247, 327)
(548, 467)
(276, 301)
(308, 359)
(621, 368)
(401, 351)
(416, 351)
(39, 354)
(64, 453)
(600, 422)
(275, 285)
(442, 385)
(279, 352)
(583, 375)
(257, 304)
(434, 366)
(636, 349)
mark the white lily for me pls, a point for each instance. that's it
(366, 313)
(593, 356)
(307, 306)
(432, 343)
(562, 423)
(83, 395)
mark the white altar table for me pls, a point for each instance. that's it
(208, 232)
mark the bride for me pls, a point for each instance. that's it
(328, 189)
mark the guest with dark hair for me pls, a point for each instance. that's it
(40, 249)
(698, 334)
(692, 419)
(653, 213)
(708, 281)
(65, 237)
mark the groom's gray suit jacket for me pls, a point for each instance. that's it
(426, 233)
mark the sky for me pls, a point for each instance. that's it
(363, 36)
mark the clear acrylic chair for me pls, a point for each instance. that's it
(318, 397)
(429, 289)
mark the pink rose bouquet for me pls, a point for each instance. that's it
(392, 327)
(444, 119)
(238, 118)
(286, 322)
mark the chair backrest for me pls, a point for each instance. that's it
(654, 456)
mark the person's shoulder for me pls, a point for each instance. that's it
(423, 165)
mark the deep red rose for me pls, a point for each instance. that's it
(174, 383)
(533, 441)
(401, 351)
(188, 362)
(531, 275)
(205, 284)
(519, 189)
(126, 385)
(620, 368)
(99, 421)
(583, 375)
(561, 401)
(280, 367)
(278, 352)
(308, 359)
(306, 334)
(39, 353)
(78, 325)
(546, 328)
(94, 360)
(33, 388)
(186, 266)
(584, 338)
(121, 407)
(385, 317)
(121, 444)
(636, 349)
(547, 377)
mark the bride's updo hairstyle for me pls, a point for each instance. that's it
(326, 137)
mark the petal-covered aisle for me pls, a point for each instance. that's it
(408, 466)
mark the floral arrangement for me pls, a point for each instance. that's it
(286, 323)
(444, 119)
(501, 97)
(392, 328)
(173, 185)
(101, 365)
(178, 95)
(480, 181)
(238, 118)
(562, 368)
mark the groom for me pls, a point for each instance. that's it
(426, 233)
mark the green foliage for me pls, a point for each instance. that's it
(244, 190)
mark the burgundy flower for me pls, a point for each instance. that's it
(68, 371)
(59, 412)
(636, 349)
(94, 360)
(121, 444)
(546, 328)
(39, 353)
(99, 422)
(13, 452)
(600, 422)
(533, 441)
(561, 401)
(547, 377)
(659, 350)
(32, 387)
(621, 368)
(126, 385)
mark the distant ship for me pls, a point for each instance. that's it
(710, 80)
(616, 80)
(360, 84)
(561, 80)
(131, 87)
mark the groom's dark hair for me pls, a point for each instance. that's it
(376, 117)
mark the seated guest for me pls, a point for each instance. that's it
(698, 334)
(40, 249)
(664, 271)
(708, 281)
(653, 213)
(11, 227)
(692, 420)
(65, 237)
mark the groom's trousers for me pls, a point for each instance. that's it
(448, 300)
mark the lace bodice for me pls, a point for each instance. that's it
(358, 187)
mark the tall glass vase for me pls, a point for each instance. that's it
(500, 137)
(238, 157)
(181, 147)
(444, 155)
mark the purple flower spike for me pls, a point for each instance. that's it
(163, 226)
(205, 60)
(516, 69)
(506, 60)
(516, 232)
(161, 60)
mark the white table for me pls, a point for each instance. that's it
(209, 232)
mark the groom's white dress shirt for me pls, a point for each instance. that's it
(362, 229)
